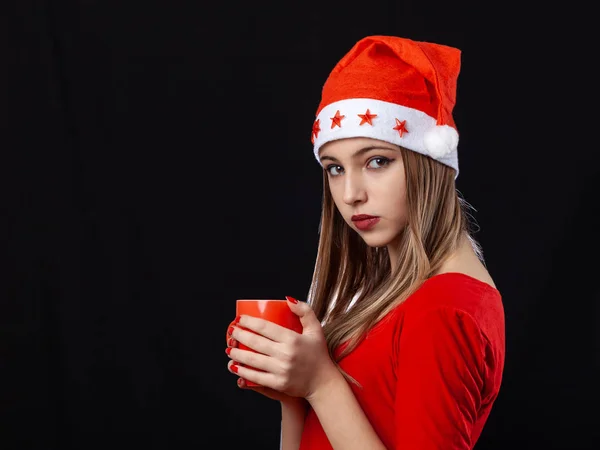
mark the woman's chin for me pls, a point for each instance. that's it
(375, 241)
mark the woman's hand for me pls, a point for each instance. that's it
(289, 363)
(267, 392)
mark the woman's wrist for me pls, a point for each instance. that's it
(329, 380)
(294, 404)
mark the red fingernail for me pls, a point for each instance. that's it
(228, 351)
(291, 299)
(230, 331)
(237, 319)
(240, 382)
(234, 368)
(230, 342)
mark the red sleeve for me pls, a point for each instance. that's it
(440, 380)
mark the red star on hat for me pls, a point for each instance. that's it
(367, 117)
(401, 127)
(337, 119)
(315, 130)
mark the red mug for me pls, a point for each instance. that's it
(276, 311)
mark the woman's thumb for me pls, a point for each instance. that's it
(304, 312)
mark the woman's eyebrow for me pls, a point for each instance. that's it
(358, 152)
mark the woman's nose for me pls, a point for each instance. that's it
(354, 190)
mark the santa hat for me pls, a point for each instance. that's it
(396, 90)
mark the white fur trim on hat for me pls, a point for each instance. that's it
(422, 134)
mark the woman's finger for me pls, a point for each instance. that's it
(253, 359)
(233, 323)
(265, 379)
(254, 341)
(266, 328)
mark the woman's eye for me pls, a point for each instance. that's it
(331, 168)
(380, 162)
(375, 163)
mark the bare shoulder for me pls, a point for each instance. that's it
(466, 261)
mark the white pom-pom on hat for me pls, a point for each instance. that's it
(440, 141)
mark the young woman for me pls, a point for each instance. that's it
(403, 339)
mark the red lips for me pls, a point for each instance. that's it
(364, 222)
(358, 217)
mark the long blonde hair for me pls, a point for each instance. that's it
(352, 286)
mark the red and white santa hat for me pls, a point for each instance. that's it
(396, 90)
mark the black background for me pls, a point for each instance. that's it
(156, 165)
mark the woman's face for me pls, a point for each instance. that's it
(366, 177)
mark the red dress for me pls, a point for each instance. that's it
(430, 370)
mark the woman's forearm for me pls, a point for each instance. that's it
(292, 423)
(341, 416)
